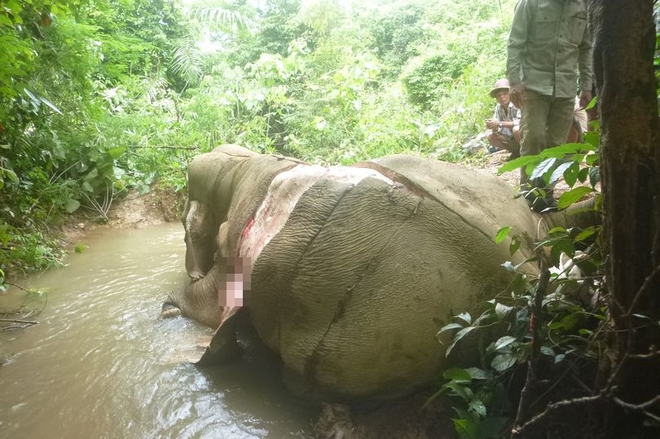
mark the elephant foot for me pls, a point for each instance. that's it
(334, 423)
(224, 346)
(170, 311)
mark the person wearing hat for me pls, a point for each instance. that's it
(504, 125)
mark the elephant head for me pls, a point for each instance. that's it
(355, 269)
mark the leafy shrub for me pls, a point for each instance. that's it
(555, 322)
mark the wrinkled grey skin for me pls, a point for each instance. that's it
(353, 289)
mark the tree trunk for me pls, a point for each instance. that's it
(624, 42)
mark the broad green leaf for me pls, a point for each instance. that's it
(503, 362)
(11, 175)
(559, 172)
(594, 176)
(458, 337)
(573, 196)
(592, 103)
(477, 374)
(592, 138)
(517, 163)
(115, 153)
(561, 151)
(502, 310)
(92, 175)
(571, 174)
(504, 342)
(478, 407)
(543, 168)
(502, 234)
(586, 233)
(592, 159)
(457, 374)
(515, 245)
(547, 350)
(72, 205)
(465, 316)
(449, 327)
(466, 428)
(583, 175)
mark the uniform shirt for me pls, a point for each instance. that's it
(511, 113)
(548, 40)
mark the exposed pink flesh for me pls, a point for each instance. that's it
(284, 192)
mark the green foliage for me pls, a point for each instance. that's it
(101, 97)
(573, 317)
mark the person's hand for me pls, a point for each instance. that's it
(585, 98)
(517, 94)
(492, 124)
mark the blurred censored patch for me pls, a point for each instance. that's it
(234, 285)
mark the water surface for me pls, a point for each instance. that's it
(101, 364)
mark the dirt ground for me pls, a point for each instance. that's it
(130, 211)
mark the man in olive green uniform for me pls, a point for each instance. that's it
(549, 43)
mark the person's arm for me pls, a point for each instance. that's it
(515, 48)
(585, 68)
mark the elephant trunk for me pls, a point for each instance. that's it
(196, 299)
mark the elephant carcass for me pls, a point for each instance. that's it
(354, 270)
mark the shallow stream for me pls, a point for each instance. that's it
(101, 364)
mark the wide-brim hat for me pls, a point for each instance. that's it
(500, 84)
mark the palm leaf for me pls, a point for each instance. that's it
(186, 64)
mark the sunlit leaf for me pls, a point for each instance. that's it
(573, 196)
(517, 163)
(465, 316)
(458, 337)
(457, 374)
(543, 168)
(503, 342)
(559, 172)
(502, 310)
(502, 234)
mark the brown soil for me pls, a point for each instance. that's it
(131, 211)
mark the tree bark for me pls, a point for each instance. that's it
(624, 43)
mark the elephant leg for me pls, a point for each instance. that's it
(224, 345)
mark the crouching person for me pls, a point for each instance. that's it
(504, 126)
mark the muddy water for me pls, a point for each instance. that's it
(100, 364)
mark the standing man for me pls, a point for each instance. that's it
(549, 44)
